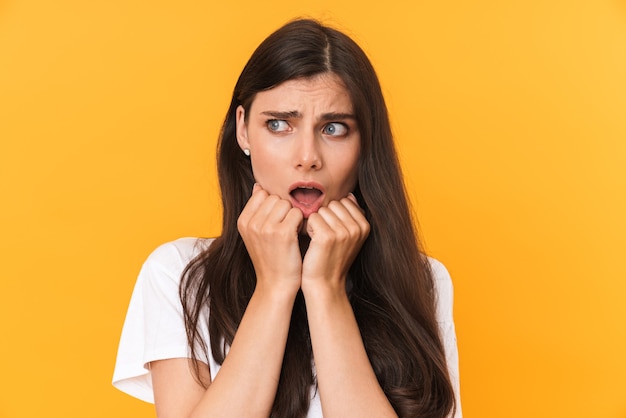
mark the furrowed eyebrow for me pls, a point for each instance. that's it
(293, 114)
(326, 117)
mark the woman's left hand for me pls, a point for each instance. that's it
(343, 369)
(337, 232)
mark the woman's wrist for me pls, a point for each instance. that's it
(284, 291)
(328, 291)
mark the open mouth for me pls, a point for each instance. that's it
(306, 196)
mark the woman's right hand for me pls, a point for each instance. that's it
(246, 386)
(269, 228)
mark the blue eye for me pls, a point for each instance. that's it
(276, 125)
(335, 129)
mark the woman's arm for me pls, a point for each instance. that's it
(176, 392)
(347, 383)
(247, 381)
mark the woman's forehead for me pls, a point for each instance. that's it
(325, 92)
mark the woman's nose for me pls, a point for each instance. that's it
(308, 155)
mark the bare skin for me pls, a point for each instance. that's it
(301, 149)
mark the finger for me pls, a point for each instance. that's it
(339, 211)
(352, 197)
(353, 207)
(294, 218)
(317, 226)
(271, 209)
(253, 204)
(337, 223)
(351, 215)
(275, 210)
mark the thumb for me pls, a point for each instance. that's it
(310, 227)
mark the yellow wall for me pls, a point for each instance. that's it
(510, 117)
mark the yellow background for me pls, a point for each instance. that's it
(510, 119)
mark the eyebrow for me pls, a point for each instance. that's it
(294, 114)
(337, 116)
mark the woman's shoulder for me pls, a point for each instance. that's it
(154, 326)
(179, 251)
(171, 258)
(440, 272)
(444, 290)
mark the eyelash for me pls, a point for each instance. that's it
(342, 125)
(269, 122)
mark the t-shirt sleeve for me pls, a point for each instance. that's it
(445, 299)
(154, 328)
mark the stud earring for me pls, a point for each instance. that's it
(246, 151)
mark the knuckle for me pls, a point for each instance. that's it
(325, 239)
(293, 211)
(283, 205)
(313, 218)
(322, 211)
(354, 230)
(266, 229)
(346, 201)
(283, 234)
(241, 223)
(255, 228)
(342, 235)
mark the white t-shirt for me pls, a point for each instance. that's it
(154, 328)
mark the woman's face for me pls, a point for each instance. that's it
(304, 141)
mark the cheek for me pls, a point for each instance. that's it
(354, 163)
(350, 174)
(259, 157)
(260, 168)
(266, 172)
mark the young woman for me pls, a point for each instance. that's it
(316, 297)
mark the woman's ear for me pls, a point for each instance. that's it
(242, 129)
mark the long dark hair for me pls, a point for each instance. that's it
(392, 291)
